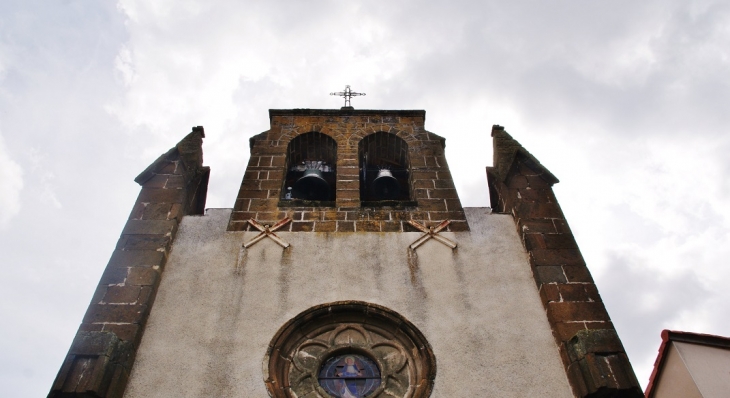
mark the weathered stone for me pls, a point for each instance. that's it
(574, 292)
(549, 292)
(161, 195)
(603, 341)
(142, 276)
(549, 274)
(432, 204)
(391, 226)
(560, 241)
(538, 210)
(312, 216)
(137, 211)
(573, 311)
(104, 313)
(576, 274)
(367, 226)
(137, 258)
(125, 332)
(157, 211)
(149, 227)
(427, 184)
(121, 294)
(566, 330)
(345, 226)
(113, 275)
(157, 181)
(325, 226)
(302, 226)
(253, 194)
(537, 226)
(569, 257)
(144, 242)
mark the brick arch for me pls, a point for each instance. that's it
(360, 134)
(312, 128)
(357, 137)
(408, 137)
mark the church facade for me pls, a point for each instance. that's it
(347, 267)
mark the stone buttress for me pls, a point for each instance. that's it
(592, 353)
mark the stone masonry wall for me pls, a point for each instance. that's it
(100, 359)
(432, 187)
(592, 353)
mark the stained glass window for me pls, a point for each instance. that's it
(349, 376)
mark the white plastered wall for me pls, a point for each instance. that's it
(478, 306)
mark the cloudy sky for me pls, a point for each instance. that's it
(626, 102)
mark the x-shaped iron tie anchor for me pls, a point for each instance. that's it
(431, 232)
(267, 232)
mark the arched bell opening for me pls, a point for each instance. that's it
(384, 175)
(311, 168)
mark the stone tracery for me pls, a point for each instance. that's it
(301, 347)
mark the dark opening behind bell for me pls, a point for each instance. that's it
(311, 186)
(385, 186)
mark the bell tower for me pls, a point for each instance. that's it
(347, 267)
(347, 171)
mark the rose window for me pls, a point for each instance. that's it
(349, 350)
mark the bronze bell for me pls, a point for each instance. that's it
(385, 186)
(311, 186)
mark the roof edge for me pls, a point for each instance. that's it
(347, 112)
(682, 337)
(697, 338)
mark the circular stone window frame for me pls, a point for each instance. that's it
(299, 349)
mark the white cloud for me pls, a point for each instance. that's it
(11, 183)
(44, 178)
(124, 66)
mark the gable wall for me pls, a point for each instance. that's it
(218, 308)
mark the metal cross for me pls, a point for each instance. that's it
(266, 231)
(347, 94)
(431, 232)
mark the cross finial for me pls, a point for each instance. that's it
(347, 94)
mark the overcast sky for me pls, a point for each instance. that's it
(626, 102)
